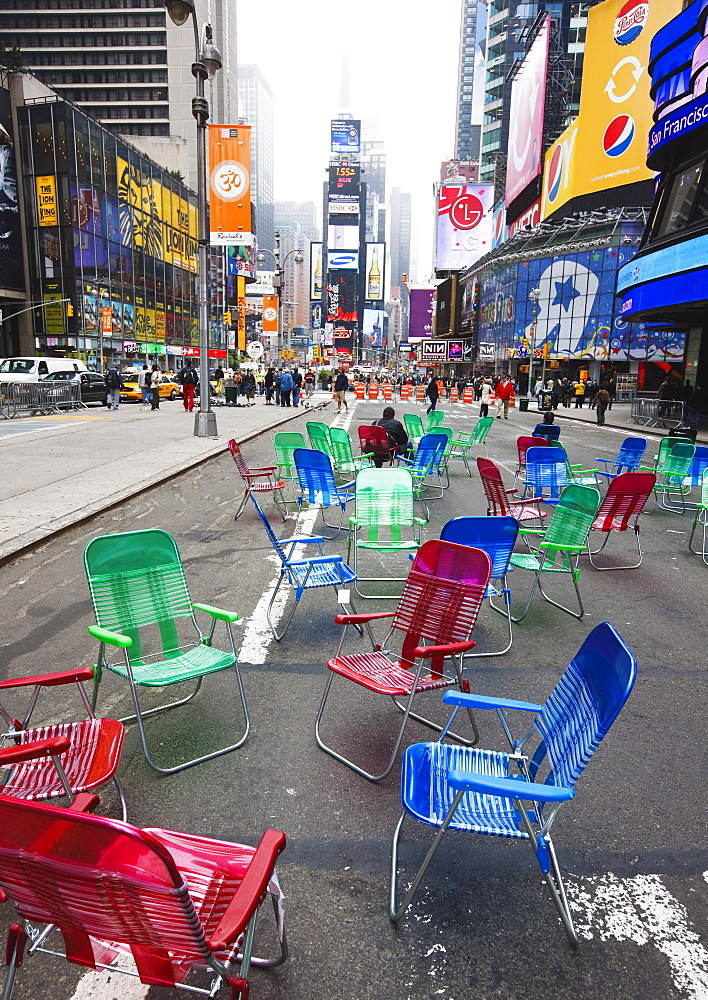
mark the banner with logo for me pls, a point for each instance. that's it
(464, 231)
(605, 147)
(230, 185)
(270, 313)
(10, 242)
(528, 102)
(421, 306)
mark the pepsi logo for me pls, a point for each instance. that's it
(630, 21)
(619, 135)
(499, 226)
(555, 173)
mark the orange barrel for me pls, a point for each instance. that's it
(406, 391)
(359, 390)
(468, 395)
(387, 390)
(454, 395)
(512, 401)
(373, 390)
(420, 393)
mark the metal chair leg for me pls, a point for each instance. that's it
(604, 569)
(575, 574)
(243, 504)
(276, 635)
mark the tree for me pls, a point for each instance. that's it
(10, 58)
(177, 174)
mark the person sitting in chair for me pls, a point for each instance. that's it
(397, 435)
(547, 428)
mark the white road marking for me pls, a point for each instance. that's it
(103, 985)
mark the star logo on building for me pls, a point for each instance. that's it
(565, 293)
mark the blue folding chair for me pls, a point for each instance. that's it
(629, 458)
(318, 487)
(496, 536)
(429, 461)
(546, 473)
(304, 574)
(455, 787)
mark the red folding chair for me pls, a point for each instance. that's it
(623, 503)
(523, 444)
(436, 614)
(68, 758)
(498, 502)
(173, 900)
(375, 441)
(258, 480)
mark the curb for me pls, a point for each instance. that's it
(629, 427)
(33, 539)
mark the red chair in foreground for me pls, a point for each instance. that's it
(620, 510)
(498, 502)
(173, 900)
(436, 614)
(374, 440)
(258, 480)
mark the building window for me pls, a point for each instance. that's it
(680, 199)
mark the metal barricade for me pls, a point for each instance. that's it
(657, 412)
(30, 398)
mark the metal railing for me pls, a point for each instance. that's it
(657, 412)
(30, 398)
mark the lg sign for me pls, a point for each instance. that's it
(466, 212)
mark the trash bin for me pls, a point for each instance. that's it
(523, 405)
(231, 392)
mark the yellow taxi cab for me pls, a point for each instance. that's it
(130, 390)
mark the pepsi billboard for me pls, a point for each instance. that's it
(528, 101)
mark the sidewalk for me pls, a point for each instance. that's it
(58, 471)
(618, 416)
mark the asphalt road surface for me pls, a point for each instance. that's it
(632, 844)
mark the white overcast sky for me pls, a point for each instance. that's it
(403, 60)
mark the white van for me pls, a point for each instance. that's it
(34, 369)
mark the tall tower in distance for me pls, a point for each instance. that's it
(255, 102)
(470, 83)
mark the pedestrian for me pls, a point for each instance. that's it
(538, 392)
(112, 377)
(579, 392)
(219, 379)
(341, 384)
(286, 388)
(566, 392)
(144, 386)
(297, 385)
(188, 379)
(696, 405)
(547, 428)
(155, 379)
(591, 390)
(309, 383)
(248, 383)
(461, 386)
(505, 392)
(556, 395)
(432, 392)
(397, 436)
(485, 397)
(665, 393)
(269, 385)
(602, 401)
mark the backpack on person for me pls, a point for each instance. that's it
(112, 379)
(188, 376)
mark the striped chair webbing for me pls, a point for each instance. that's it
(570, 727)
(389, 508)
(617, 508)
(140, 597)
(39, 779)
(569, 526)
(435, 610)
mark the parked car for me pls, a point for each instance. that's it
(34, 369)
(130, 390)
(93, 385)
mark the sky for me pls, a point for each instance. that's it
(403, 61)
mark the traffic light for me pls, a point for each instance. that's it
(283, 355)
(546, 350)
(227, 317)
(69, 309)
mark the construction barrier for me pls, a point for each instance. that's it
(468, 395)
(406, 391)
(420, 393)
(39, 397)
(373, 391)
(359, 390)
(454, 396)
(387, 391)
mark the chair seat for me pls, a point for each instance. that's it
(90, 761)
(184, 666)
(427, 796)
(377, 673)
(405, 545)
(331, 500)
(526, 560)
(526, 513)
(320, 575)
(266, 487)
(610, 524)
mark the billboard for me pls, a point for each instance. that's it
(375, 272)
(373, 327)
(421, 306)
(528, 102)
(465, 220)
(343, 260)
(230, 185)
(343, 204)
(346, 135)
(433, 352)
(343, 237)
(342, 297)
(10, 244)
(606, 145)
(344, 179)
(316, 271)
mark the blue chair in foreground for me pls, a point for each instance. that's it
(318, 487)
(546, 473)
(629, 458)
(517, 795)
(301, 573)
(496, 536)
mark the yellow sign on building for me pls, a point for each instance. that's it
(47, 210)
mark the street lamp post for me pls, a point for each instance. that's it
(205, 67)
(534, 295)
(278, 276)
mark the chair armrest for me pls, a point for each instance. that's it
(315, 560)
(360, 458)
(526, 500)
(509, 788)
(262, 468)
(84, 802)
(50, 680)
(420, 521)
(486, 701)
(31, 751)
(218, 613)
(561, 547)
(362, 619)
(256, 475)
(111, 638)
(250, 892)
(302, 539)
(447, 649)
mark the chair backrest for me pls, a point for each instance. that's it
(318, 434)
(548, 431)
(414, 426)
(285, 443)
(314, 473)
(494, 535)
(547, 469)
(523, 444)
(583, 705)
(698, 465)
(95, 877)
(666, 446)
(481, 429)
(441, 597)
(704, 488)
(136, 579)
(626, 497)
(573, 517)
(341, 446)
(493, 485)
(435, 418)
(428, 456)
(677, 464)
(384, 499)
(237, 456)
(374, 440)
(272, 537)
(449, 434)
(630, 454)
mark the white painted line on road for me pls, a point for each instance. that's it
(104, 985)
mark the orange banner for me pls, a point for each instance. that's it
(270, 313)
(230, 185)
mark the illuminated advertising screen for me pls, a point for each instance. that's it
(421, 305)
(343, 237)
(375, 272)
(342, 302)
(343, 204)
(467, 296)
(373, 327)
(343, 260)
(344, 179)
(464, 229)
(346, 135)
(528, 101)
(316, 271)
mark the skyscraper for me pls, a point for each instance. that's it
(400, 242)
(470, 82)
(255, 103)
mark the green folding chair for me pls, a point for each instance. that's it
(665, 446)
(414, 428)
(435, 419)
(560, 544)
(143, 613)
(320, 440)
(285, 443)
(671, 474)
(343, 458)
(383, 522)
(464, 440)
(576, 473)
